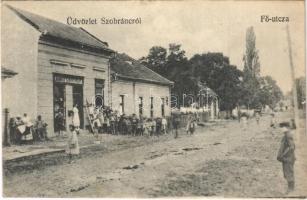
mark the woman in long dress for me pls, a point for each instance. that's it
(73, 144)
(76, 119)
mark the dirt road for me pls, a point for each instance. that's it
(218, 160)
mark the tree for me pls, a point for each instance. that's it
(214, 70)
(251, 58)
(251, 71)
(178, 70)
(173, 65)
(156, 60)
(269, 93)
(177, 62)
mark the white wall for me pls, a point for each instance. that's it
(48, 52)
(144, 90)
(19, 44)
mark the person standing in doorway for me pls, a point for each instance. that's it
(76, 118)
(286, 155)
(59, 122)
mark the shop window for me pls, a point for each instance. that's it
(122, 103)
(151, 107)
(99, 92)
(140, 106)
(162, 107)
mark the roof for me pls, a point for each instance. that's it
(126, 67)
(7, 73)
(56, 29)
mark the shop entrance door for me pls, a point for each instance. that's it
(77, 92)
(68, 91)
(59, 103)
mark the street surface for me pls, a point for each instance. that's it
(222, 159)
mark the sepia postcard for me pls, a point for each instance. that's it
(153, 99)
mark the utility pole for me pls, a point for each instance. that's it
(294, 92)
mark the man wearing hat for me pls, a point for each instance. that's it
(286, 155)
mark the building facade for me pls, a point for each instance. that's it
(58, 66)
(135, 89)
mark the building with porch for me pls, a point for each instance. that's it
(58, 67)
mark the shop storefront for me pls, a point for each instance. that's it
(67, 92)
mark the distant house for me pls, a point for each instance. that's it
(208, 100)
(135, 89)
(57, 65)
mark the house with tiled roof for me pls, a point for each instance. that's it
(58, 66)
(135, 89)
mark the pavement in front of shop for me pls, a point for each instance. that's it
(59, 143)
(55, 144)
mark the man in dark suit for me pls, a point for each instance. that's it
(286, 155)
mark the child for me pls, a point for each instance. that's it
(112, 124)
(153, 126)
(176, 124)
(128, 125)
(72, 144)
(244, 118)
(134, 124)
(96, 121)
(191, 125)
(257, 117)
(108, 125)
(273, 121)
(40, 128)
(140, 126)
(164, 125)
(59, 122)
(145, 126)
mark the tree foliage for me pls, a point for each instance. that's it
(214, 70)
(257, 91)
(233, 86)
(269, 93)
(251, 71)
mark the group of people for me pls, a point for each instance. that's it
(23, 130)
(111, 122)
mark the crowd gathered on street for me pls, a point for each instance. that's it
(112, 122)
(105, 120)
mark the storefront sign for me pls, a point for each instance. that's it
(68, 79)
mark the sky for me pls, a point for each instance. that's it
(199, 26)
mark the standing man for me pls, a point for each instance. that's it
(286, 155)
(257, 117)
(176, 123)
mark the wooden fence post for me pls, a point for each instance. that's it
(6, 139)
